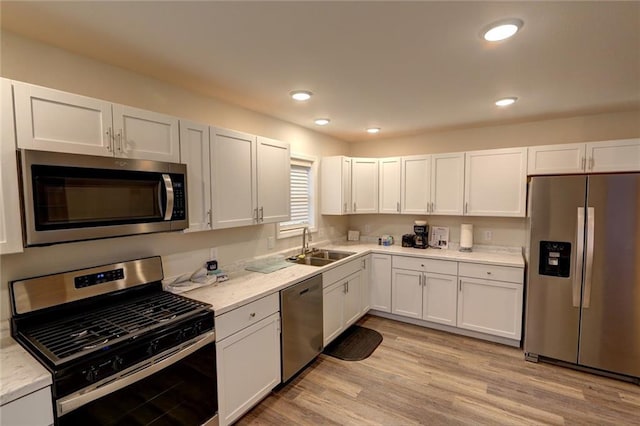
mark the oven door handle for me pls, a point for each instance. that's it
(133, 374)
(168, 192)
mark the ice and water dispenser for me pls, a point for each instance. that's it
(555, 259)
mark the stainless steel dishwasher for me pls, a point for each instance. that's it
(301, 310)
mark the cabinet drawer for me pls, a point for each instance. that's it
(244, 316)
(491, 272)
(340, 272)
(425, 265)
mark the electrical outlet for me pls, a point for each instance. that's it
(488, 235)
(271, 243)
(367, 229)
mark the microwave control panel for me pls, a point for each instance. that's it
(179, 209)
(555, 259)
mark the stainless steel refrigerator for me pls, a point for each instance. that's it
(583, 287)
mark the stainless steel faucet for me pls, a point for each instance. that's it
(305, 242)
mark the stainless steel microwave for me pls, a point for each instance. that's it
(70, 197)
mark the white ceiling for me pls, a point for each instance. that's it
(407, 67)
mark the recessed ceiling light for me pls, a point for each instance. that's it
(322, 121)
(502, 30)
(506, 101)
(373, 130)
(301, 95)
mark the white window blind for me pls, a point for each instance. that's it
(301, 195)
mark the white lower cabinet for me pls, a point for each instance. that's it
(34, 409)
(380, 282)
(406, 293)
(248, 359)
(439, 298)
(342, 297)
(491, 306)
(366, 284)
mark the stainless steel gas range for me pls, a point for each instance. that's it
(120, 349)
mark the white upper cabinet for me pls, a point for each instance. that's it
(194, 152)
(592, 157)
(496, 182)
(447, 184)
(613, 156)
(273, 171)
(389, 181)
(233, 179)
(145, 135)
(415, 197)
(335, 185)
(556, 159)
(51, 120)
(10, 225)
(249, 179)
(364, 185)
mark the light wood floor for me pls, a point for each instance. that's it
(423, 376)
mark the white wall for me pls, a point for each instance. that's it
(33, 62)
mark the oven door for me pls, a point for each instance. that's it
(72, 197)
(178, 387)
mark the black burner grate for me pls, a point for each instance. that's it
(81, 333)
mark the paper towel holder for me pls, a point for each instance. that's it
(466, 237)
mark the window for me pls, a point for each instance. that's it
(303, 197)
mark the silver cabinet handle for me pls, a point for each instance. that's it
(209, 216)
(120, 144)
(109, 140)
(459, 285)
(255, 214)
(261, 214)
(252, 314)
(345, 287)
(577, 272)
(591, 163)
(354, 207)
(591, 217)
(583, 162)
(398, 206)
(345, 207)
(466, 206)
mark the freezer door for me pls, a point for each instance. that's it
(556, 220)
(610, 324)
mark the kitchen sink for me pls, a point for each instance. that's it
(330, 254)
(321, 257)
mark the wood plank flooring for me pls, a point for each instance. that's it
(422, 376)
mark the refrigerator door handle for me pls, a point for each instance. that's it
(577, 273)
(587, 273)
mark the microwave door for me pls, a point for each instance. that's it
(168, 196)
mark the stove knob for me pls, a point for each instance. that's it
(91, 375)
(180, 336)
(199, 328)
(117, 363)
(153, 347)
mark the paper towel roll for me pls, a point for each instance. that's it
(466, 236)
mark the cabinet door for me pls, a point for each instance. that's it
(556, 159)
(248, 365)
(496, 182)
(352, 298)
(389, 185)
(415, 187)
(194, 152)
(10, 225)
(233, 179)
(406, 293)
(335, 185)
(364, 185)
(274, 177)
(381, 282)
(333, 311)
(447, 184)
(51, 120)
(491, 307)
(614, 156)
(34, 409)
(440, 298)
(145, 135)
(365, 304)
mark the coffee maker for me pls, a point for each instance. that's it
(421, 239)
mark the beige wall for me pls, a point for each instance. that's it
(33, 62)
(587, 128)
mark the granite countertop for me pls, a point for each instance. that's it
(244, 287)
(20, 373)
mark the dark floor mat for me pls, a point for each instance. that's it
(355, 344)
